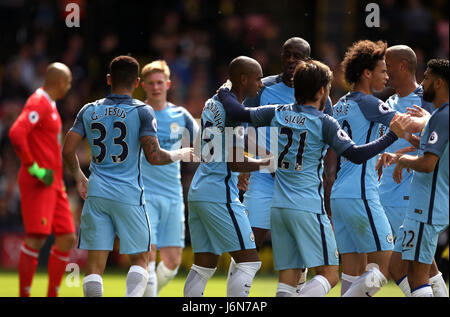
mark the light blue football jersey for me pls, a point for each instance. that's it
(173, 121)
(213, 180)
(274, 91)
(113, 127)
(359, 114)
(304, 133)
(429, 202)
(391, 193)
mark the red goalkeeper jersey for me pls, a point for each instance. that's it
(36, 137)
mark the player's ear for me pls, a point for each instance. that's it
(168, 83)
(367, 73)
(244, 79)
(108, 79)
(136, 83)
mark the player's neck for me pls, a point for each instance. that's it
(440, 99)
(121, 91)
(363, 87)
(240, 95)
(51, 92)
(407, 88)
(287, 80)
(157, 105)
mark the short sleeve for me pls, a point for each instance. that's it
(438, 133)
(148, 121)
(191, 125)
(375, 110)
(78, 125)
(334, 135)
(262, 116)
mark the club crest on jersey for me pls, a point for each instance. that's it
(389, 238)
(342, 135)
(33, 116)
(433, 138)
(384, 108)
(252, 237)
(336, 254)
(174, 127)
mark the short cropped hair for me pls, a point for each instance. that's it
(439, 68)
(123, 70)
(155, 67)
(309, 76)
(362, 55)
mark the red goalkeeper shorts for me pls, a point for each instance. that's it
(45, 210)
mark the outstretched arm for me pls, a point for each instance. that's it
(155, 155)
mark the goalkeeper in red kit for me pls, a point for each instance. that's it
(36, 138)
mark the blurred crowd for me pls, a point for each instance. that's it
(198, 38)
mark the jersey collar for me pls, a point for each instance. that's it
(47, 96)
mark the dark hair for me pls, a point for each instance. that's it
(309, 76)
(360, 56)
(439, 67)
(123, 70)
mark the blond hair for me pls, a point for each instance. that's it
(156, 66)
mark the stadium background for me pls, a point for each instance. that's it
(198, 38)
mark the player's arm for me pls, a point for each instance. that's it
(71, 143)
(233, 107)
(338, 139)
(155, 155)
(239, 162)
(18, 134)
(329, 176)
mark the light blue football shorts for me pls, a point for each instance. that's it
(102, 219)
(219, 227)
(258, 200)
(166, 220)
(395, 215)
(417, 240)
(302, 239)
(360, 226)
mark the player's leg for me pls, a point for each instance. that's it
(318, 249)
(97, 236)
(240, 243)
(153, 208)
(205, 258)
(201, 271)
(398, 270)
(376, 241)
(353, 263)
(437, 282)
(137, 276)
(168, 267)
(241, 278)
(64, 230)
(133, 229)
(419, 247)
(37, 205)
(170, 240)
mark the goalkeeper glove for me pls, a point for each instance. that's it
(43, 174)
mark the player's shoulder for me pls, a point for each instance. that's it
(441, 114)
(271, 80)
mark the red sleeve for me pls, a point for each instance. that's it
(35, 110)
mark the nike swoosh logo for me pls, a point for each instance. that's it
(247, 285)
(367, 294)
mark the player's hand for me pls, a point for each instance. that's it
(226, 85)
(401, 125)
(45, 175)
(243, 181)
(82, 184)
(418, 112)
(398, 171)
(185, 154)
(406, 150)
